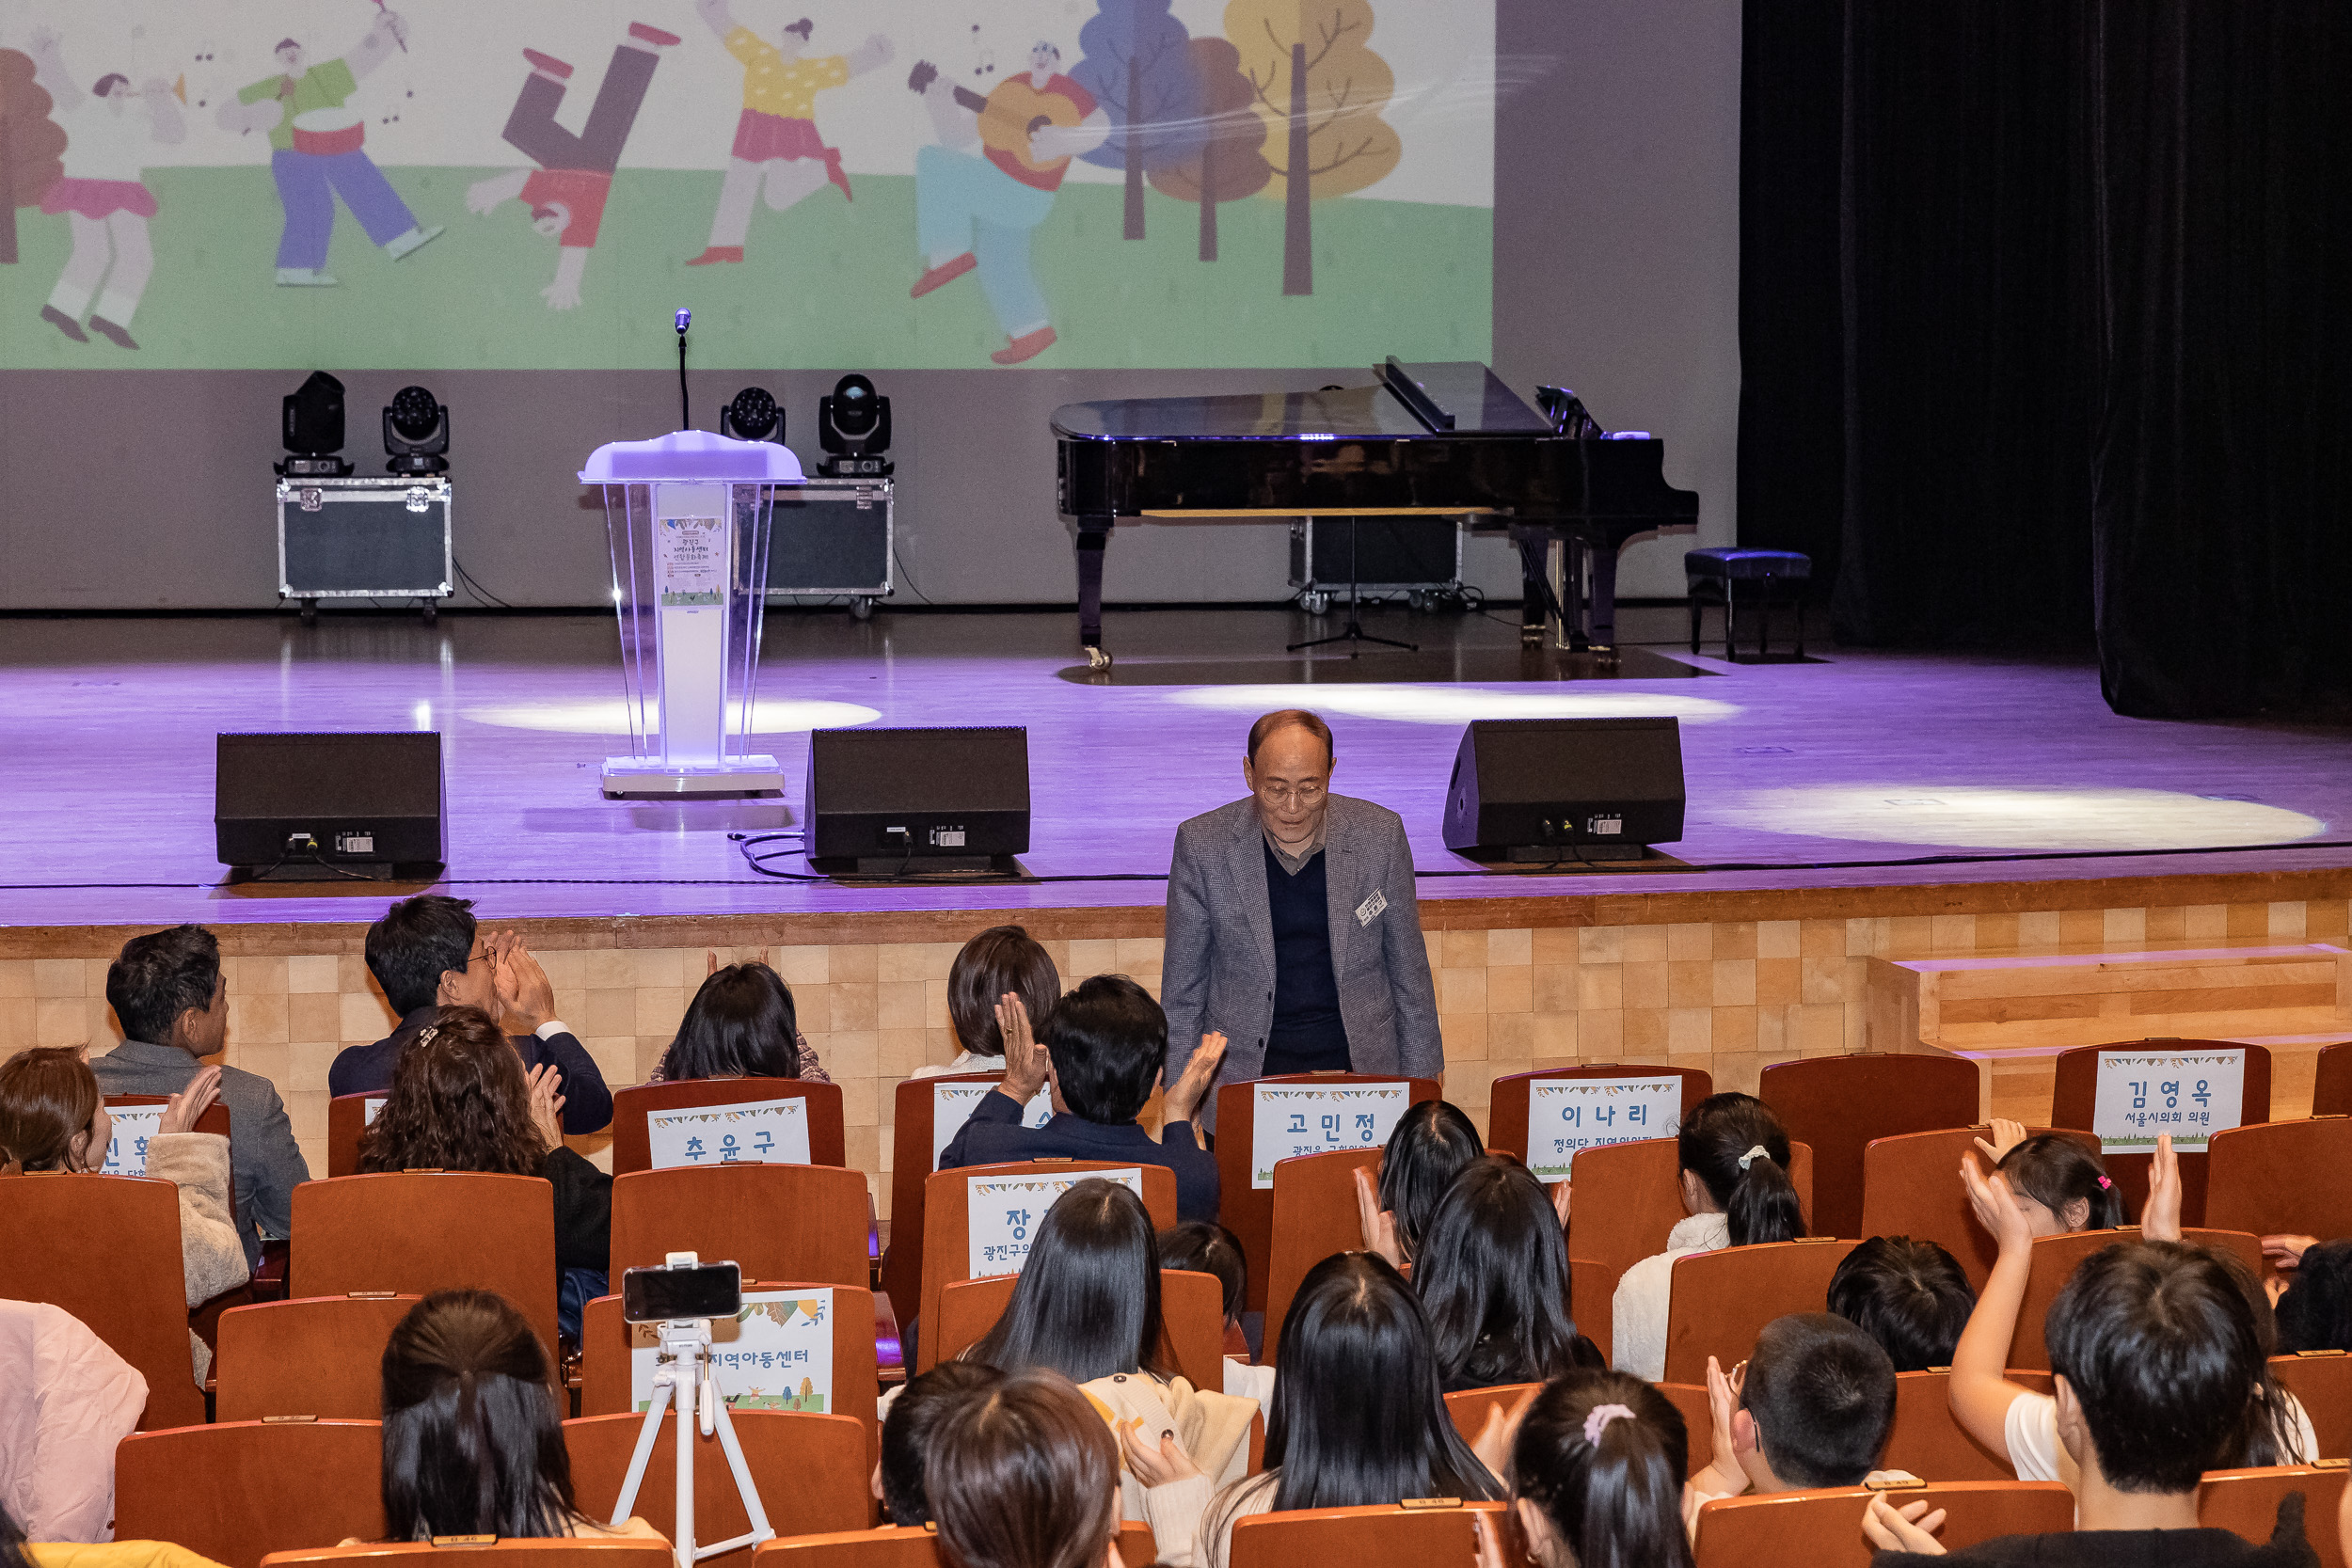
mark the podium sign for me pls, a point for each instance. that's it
(689, 517)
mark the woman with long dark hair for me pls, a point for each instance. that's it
(1595, 1471)
(1735, 1192)
(741, 1023)
(473, 1428)
(1492, 1276)
(1357, 1420)
(461, 1101)
(1430, 1142)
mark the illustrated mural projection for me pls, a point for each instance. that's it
(888, 184)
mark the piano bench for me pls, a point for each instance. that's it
(1715, 575)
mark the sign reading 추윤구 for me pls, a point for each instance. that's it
(1571, 1113)
(1320, 1118)
(773, 1131)
(776, 1353)
(1005, 1211)
(2189, 1094)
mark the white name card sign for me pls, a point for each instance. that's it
(775, 1354)
(1566, 1114)
(1320, 1118)
(774, 1131)
(2145, 1094)
(952, 1105)
(1005, 1211)
(375, 1107)
(126, 1154)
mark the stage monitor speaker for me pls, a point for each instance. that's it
(892, 797)
(1586, 789)
(329, 807)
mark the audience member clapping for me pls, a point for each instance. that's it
(474, 1437)
(460, 1101)
(1736, 1191)
(1357, 1420)
(1026, 1476)
(1913, 1297)
(1811, 1406)
(1001, 961)
(920, 1404)
(1492, 1276)
(52, 1118)
(1595, 1462)
(1431, 1142)
(740, 1025)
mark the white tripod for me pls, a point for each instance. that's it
(684, 1377)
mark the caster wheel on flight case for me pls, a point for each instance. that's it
(861, 610)
(1314, 603)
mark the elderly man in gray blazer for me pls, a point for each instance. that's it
(1292, 926)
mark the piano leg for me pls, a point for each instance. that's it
(1601, 562)
(1534, 589)
(1093, 534)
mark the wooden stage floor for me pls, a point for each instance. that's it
(1818, 776)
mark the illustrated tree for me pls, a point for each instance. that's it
(1320, 88)
(1138, 66)
(1230, 162)
(31, 144)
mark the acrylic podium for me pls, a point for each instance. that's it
(689, 515)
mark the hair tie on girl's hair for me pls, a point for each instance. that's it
(2105, 1183)
(1598, 1421)
(1752, 1153)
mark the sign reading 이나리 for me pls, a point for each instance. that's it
(774, 1354)
(2189, 1094)
(1005, 1211)
(773, 1131)
(1321, 1118)
(1568, 1114)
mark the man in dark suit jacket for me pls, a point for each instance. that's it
(1102, 1049)
(428, 954)
(1292, 925)
(167, 994)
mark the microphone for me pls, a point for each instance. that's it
(684, 415)
(685, 319)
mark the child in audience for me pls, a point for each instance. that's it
(1026, 1476)
(1001, 959)
(1735, 1190)
(2155, 1354)
(1913, 1297)
(52, 1118)
(1357, 1420)
(1204, 1247)
(740, 1025)
(1431, 1142)
(1596, 1467)
(1812, 1407)
(2025, 1427)
(2060, 1185)
(1493, 1277)
(474, 1435)
(1087, 1305)
(2316, 1309)
(921, 1405)
(461, 1101)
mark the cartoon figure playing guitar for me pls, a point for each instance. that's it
(977, 212)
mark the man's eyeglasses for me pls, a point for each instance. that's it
(1283, 795)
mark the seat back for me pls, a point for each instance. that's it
(2260, 1177)
(1192, 1322)
(214, 1118)
(106, 1248)
(1246, 1209)
(2245, 1503)
(779, 1221)
(500, 1554)
(1839, 1104)
(1386, 1536)
(348, 1116)
(894, 1546)
(1469, 1406)
(1315, 1215)
(2321, 1381)
(1910, 1186)
(1628, 1196)
(632, 1148)
(1507, 1115)
(1690, 1403)
(1592, 1292)
(1927, 1441)
(2331, 1080)
(422, 1232)
(2054, 1259)
(2076, 1096)
(947, 1219)
(811, 1472)
(240, 1490)
(607, 1384)
(1822, 1528)
(312, 1356)
(913, 1155)
(1721, 1301)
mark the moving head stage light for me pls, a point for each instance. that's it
(754, 416)
(416, 432)
(853, 427)
(313, 421)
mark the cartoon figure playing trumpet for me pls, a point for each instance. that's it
(978, 212)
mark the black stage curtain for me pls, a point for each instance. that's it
(2092, 264)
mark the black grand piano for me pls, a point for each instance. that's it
(1449, 440)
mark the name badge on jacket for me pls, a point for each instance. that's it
(1369, 911)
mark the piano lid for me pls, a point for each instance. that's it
(1481, 404)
